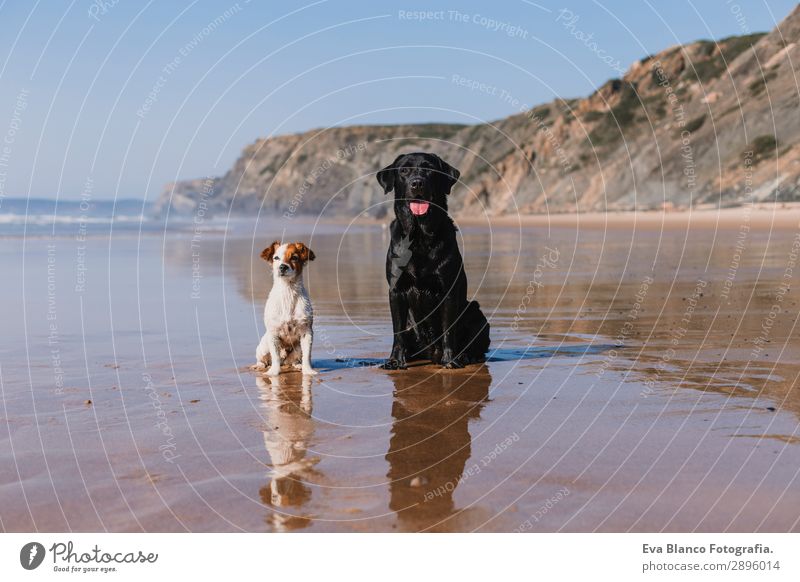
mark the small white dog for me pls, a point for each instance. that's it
(288, 315)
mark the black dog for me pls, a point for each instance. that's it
(431, 316)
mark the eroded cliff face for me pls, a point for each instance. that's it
(705, 123)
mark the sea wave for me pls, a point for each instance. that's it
(49, 219)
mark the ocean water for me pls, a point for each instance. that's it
(38, 217)
(638, 380)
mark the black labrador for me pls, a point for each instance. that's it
(431, 316)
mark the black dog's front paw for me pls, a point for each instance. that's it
(451, 363)
(397, 359)
(394, 364)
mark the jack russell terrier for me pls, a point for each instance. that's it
(288, 314)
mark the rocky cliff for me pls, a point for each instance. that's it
(712, 123)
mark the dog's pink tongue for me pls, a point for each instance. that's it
(419, 208)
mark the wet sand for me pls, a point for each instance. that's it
(640, 380)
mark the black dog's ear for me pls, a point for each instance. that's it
(448, 174)
(386, 176)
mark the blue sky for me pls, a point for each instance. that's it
(125, 96)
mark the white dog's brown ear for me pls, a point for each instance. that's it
(269, 252)
(305, 253)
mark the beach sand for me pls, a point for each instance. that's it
(642, 378)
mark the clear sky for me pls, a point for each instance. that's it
(125, 96)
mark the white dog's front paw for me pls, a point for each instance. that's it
(259, 366)
(309, 371)
(274, 371)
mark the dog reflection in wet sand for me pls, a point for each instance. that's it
(430, 443)
(289, 429)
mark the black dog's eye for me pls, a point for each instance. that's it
(404, 171)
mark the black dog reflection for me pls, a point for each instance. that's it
(430, 442)
(289, 428)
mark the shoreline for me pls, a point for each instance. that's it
(762, 217)
(756, 217)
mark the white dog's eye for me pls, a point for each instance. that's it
(275, 258)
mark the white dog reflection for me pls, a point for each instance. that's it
(289, 430)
